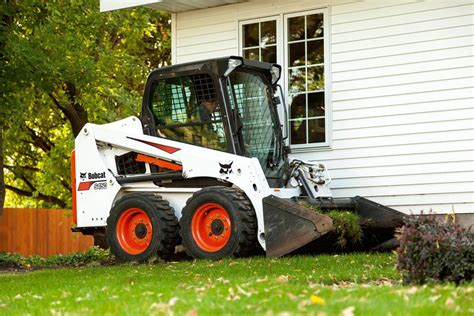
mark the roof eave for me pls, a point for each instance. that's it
(172, 6)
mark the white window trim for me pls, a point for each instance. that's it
(174, 39)
(279, 34)
(282, 55)
(327, 79)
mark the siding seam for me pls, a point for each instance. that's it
(402, 14)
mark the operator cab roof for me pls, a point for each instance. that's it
(216, 67)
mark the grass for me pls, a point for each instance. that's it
(319, 285)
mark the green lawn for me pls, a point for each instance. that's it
(321, 285)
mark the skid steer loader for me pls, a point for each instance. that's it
(204, 166)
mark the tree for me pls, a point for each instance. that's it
(65, 64)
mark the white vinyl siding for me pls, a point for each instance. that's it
(402, 89)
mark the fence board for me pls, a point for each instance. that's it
(3, 230)
(42, 232)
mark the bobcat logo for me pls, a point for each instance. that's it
(226, 168)
(83, 175)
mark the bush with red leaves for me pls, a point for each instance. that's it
(435, 250)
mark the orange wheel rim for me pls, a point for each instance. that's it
(211, 227)
(134, 231)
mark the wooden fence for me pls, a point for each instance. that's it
(41, 232)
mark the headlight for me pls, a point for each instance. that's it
(234, 62)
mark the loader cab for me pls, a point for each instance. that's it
(224, 104)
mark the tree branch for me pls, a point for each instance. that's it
(28, 168)
(56, 102)
(65, 184)
(39, 141)
(33, 191)
(40, 196)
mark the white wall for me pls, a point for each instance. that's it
(402, 94)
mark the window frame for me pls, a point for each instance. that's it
(282, 59)
(327, 79)
(279, 40)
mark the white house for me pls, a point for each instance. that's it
(382, 92)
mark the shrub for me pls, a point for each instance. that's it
(92, 256)
(434, 250)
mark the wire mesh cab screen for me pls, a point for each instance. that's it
(187, 109)
(250, 91)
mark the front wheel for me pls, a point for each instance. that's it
(141, 225)
(219, 222)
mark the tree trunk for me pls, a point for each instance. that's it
(74, 112)
(77, 116)
(2, 182)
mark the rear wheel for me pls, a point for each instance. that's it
(219, 222)
(140, 226)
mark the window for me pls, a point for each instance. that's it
(186, 109)
(305, 69)
(259, 41)
(305, 52)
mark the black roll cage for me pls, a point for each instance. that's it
(215, 68)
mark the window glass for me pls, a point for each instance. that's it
(259, 41)
(187, 109)
(252, 54)
(251, 35)
(268, 32)
(297, 80)
(296, 28)
(314, 26)
(306, 82)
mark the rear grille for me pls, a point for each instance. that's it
(127, 164)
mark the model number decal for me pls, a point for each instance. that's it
(100, 185)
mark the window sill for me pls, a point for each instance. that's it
(310, 148)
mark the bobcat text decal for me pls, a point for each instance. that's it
(99, 183)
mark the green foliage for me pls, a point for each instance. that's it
(63, 64)
(433, 250)
(346, 227)
(93, 256)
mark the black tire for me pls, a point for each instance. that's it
(242, 240)
(164, 230)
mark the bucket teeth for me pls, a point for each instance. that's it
(289, 226)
